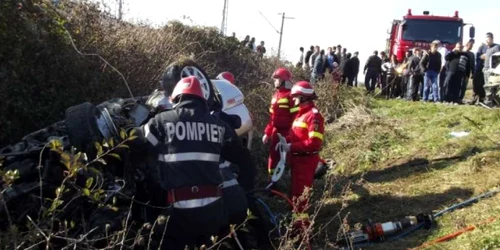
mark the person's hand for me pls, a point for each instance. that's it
(282, 147)
(265, 139)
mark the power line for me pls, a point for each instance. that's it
(269, 22)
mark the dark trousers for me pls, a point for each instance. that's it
(371, 80)
(383, 84)
(393, 85)
(343, 79)
(463, 88)
(441, 80)
(452, 86)
(350, 80)
(404, 86)
(193, 226)
(235, 202)
(416, 82)
(356, 80)
(478, 86)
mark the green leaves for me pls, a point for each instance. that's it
(86, 192)
(117, 156)
(89, 182)
(10, 177)
(98, 146)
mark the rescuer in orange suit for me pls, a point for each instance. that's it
(304, 142)
(282, 112)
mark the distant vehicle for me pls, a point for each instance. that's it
(420, 30)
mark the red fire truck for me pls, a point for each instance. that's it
(420, 30)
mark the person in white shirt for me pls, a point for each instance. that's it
(301, 60)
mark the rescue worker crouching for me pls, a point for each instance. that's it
(238, 176)
(188, 142)
(282, 112)
(303, 145)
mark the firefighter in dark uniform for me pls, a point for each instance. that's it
(238, 177)
(188, 142)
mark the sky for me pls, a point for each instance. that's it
(358, 25)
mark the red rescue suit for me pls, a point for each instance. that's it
(282, 112)
(305, 139)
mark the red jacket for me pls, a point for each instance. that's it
(282, 111)
(306, 135)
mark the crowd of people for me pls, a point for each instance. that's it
(433, 75)
(337, 61)
(250, 44)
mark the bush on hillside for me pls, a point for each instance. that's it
(43, 74)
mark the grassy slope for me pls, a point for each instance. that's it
(402, 161)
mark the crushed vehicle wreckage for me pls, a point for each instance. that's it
(79, 180)
(78, 177)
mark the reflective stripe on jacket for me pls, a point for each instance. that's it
(306, 134)
(189, 142)
(282, 111)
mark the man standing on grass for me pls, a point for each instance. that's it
(307, 65)
(317, 72)
(472, 66)
(355, 63)
(458, 66)
(415, 74)
(442, 73)
(372, 71)
(492, 49)
(431, 66)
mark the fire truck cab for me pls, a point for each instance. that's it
(420, 30)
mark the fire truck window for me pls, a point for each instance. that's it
(430, 30)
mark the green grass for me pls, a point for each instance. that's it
(402, 160)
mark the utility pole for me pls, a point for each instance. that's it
(120, 9)
(281, 32)
(223, 27)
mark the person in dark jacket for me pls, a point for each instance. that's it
(355, 63)
(233, 192)
(415, 74)
(383, 75)
(338, 53)
(372, 70)
(431, 65)
(238, 179)
(317, 72)
(458, 65)
(348, 73)
(478, 76)
(188, 143)
(307, 65)
(472, 66)
(343, 59)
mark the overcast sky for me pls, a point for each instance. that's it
(358, 25)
